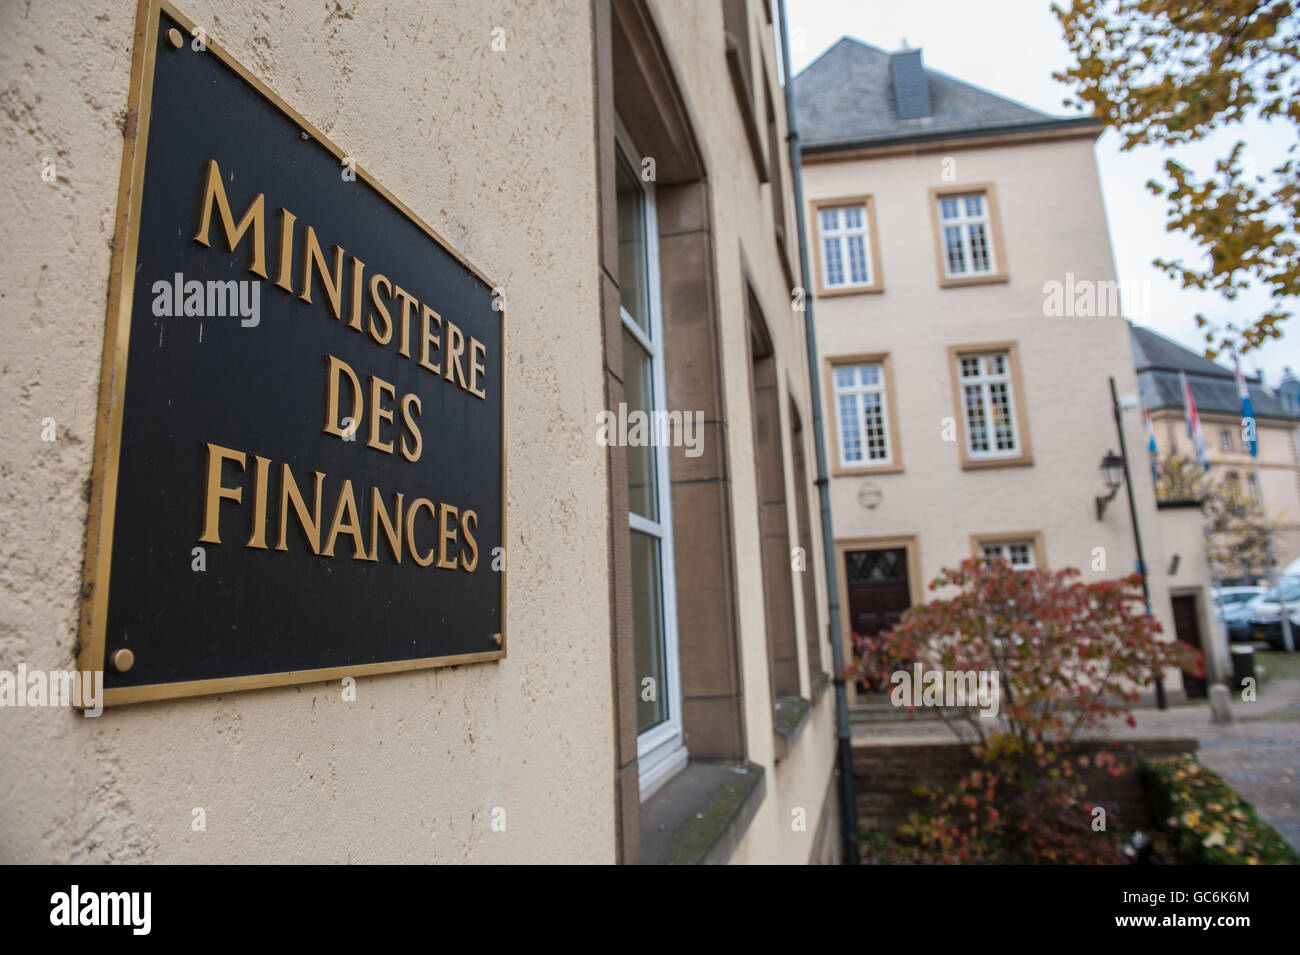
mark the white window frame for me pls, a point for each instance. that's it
(1003, 549)
(963, 222)
(661, 751)
(983, 380)
(841, 235)
(858, 393)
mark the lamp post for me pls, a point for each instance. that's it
(1112, 472)
(1161, 702)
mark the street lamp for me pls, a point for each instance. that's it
(1112, 471)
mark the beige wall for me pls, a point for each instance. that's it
(1053, 223)
(410, 771)
(1182, 533)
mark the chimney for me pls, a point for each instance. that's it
(911, 87)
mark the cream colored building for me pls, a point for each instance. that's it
(1160, 363)
(965, 369)
(619, 167)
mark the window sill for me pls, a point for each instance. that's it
(859, 471)
(979, 464)
(789, 717)
(700, 816)
(835, 292)
(945, 282)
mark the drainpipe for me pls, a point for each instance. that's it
(848, 808)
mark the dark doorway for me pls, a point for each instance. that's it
(1187, 627)
(878, 594)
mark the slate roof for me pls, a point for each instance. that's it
(1159, 360)
(846, 98)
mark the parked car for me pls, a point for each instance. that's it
(1232, 606)
(1265, 613)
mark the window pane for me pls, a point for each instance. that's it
(974, 205)
(648, 631)
(873, 415)
(834, 262)
(844, 377)
(948, 208)
(638, 393)
(975, 421)
(857, 259)
(870, 374)
(850, 432)
(830, 219)
(1000, 400)
(956, 254)
(632, 267)
(979, 248)
(853, 217)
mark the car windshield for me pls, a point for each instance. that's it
(1290, 590)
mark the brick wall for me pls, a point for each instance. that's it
(885, 774)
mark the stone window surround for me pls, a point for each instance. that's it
(1012, 537)
(1018, 399)
(884, 359)
(877, 283)
(989, 190)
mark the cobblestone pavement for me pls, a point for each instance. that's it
(1258, 754)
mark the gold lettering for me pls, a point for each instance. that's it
(375, 280)
(455, 348)
(419, 502)
(404, 347)
(258, 538)
(310, 523)
(426, 336)
(358, 269)
(392, 529)
(338, 367)
(216, 492)
(408, 417)
(475, 367)
(469, 521)
(214, 193)
(444, 536)
(284, 278)
(379, 413)
(315, 261)
(347, 506)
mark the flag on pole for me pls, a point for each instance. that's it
(1248, 432)
(1194, 423)
(1151, 445)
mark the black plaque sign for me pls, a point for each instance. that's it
(300, 458)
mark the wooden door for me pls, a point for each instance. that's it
(1188, 629)
(879, 592)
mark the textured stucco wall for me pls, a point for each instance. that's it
(492, 150)
(1053, 223)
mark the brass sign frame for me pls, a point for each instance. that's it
(96, 574)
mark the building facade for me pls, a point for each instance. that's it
(619, 169)
(1161, 366)
(969, 326)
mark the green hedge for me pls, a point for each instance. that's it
(1208, 821)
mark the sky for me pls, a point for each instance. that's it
(1012, 47)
